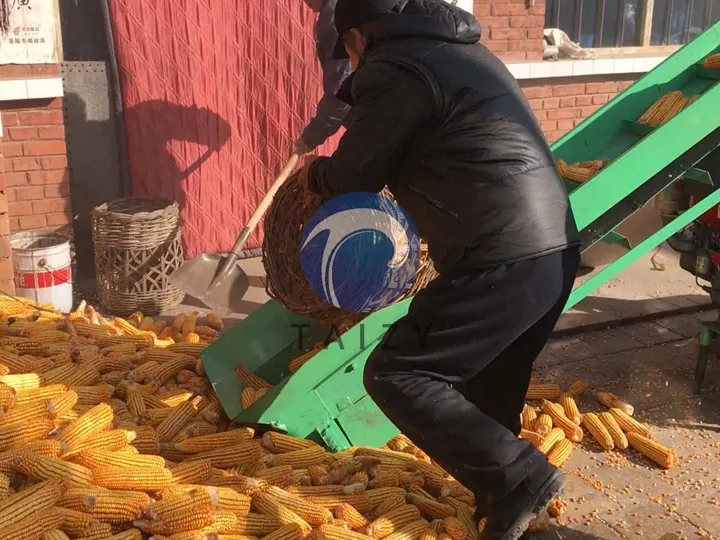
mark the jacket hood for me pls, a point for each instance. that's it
(429, 19)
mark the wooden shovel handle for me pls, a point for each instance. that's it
(264, 204)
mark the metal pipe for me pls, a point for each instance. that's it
(116, 90)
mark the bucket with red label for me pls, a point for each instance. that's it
(42, 266)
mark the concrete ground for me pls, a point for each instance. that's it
(622, 495)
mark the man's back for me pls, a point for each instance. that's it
(476, 175)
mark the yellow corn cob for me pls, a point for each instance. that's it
(662, 455)
(215, 440)
(629, 424)
(456, 529)
(248, 379)
(347, 513)
(431, 507)
(619, 439)
(551, 439)
(23, 345)
(62, 403)
(26, 413)
(303, 458)
(465, 515)
(16, 434)
(230, 500)
(50, 336)
(192, 472)
(528, 418)
(231, 456)
(560, 453)
(56, 534)
(411, 531)
(392, 521)
(111, 440)
(280, 443)
(179, 503)
(59, 374)
(178, 418)
(265, 504)
(535, 438)
(176, 397)
(36, 498)
(16, 363)
(32, 527)
(93, 395)
(577, 388)
(188, 325)
(192, 337)
(567, 401)
(336, 531)
(213, 320)
(190, 349)
(136, 404)
(362, 502)
(107, 507)
(4, 370)
(538, 390)
(93, 459)
(556, 412)
(612, 401)
(311, 513)
(93, 421)
(143, 372)
(384, 478)
(378, 496)
(146, 479)
(85, 375)
(4, 486)
(257, 525)
(597, 429)
(23, 381)
(46, 468)
(248, 396)
(146, 440)
(8, 396)
(206, 331)
(196, 518)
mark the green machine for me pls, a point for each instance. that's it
(325, 400)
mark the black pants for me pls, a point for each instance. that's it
(452, 374)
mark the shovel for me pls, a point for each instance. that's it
(216, 280)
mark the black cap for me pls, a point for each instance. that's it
(354, 13)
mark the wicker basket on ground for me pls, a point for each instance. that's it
(137, 244)
(286, 282)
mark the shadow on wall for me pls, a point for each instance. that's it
(94, 160)
(159, 123)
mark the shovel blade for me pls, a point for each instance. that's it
(195, 276)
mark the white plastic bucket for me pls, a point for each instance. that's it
(42, 266)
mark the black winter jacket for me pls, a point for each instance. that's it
(441, 121)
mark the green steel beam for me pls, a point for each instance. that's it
(607, 273)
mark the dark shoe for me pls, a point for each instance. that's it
(511, 516)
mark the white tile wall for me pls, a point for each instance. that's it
(577, 68)
(14, 89)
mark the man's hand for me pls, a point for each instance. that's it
(311, 199)
(301, 147)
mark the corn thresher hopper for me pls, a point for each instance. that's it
(325, 399)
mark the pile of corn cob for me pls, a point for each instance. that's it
(109, 430)
(557, 423)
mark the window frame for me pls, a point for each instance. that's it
(644, 24)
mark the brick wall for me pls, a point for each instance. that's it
(512, 29)
(35, 160)
(561, 104)
(7, 286)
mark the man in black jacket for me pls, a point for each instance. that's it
(440, 121)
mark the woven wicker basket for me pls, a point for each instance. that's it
(286, 282)
(137, 245)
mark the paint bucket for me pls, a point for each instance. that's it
(42, 267)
